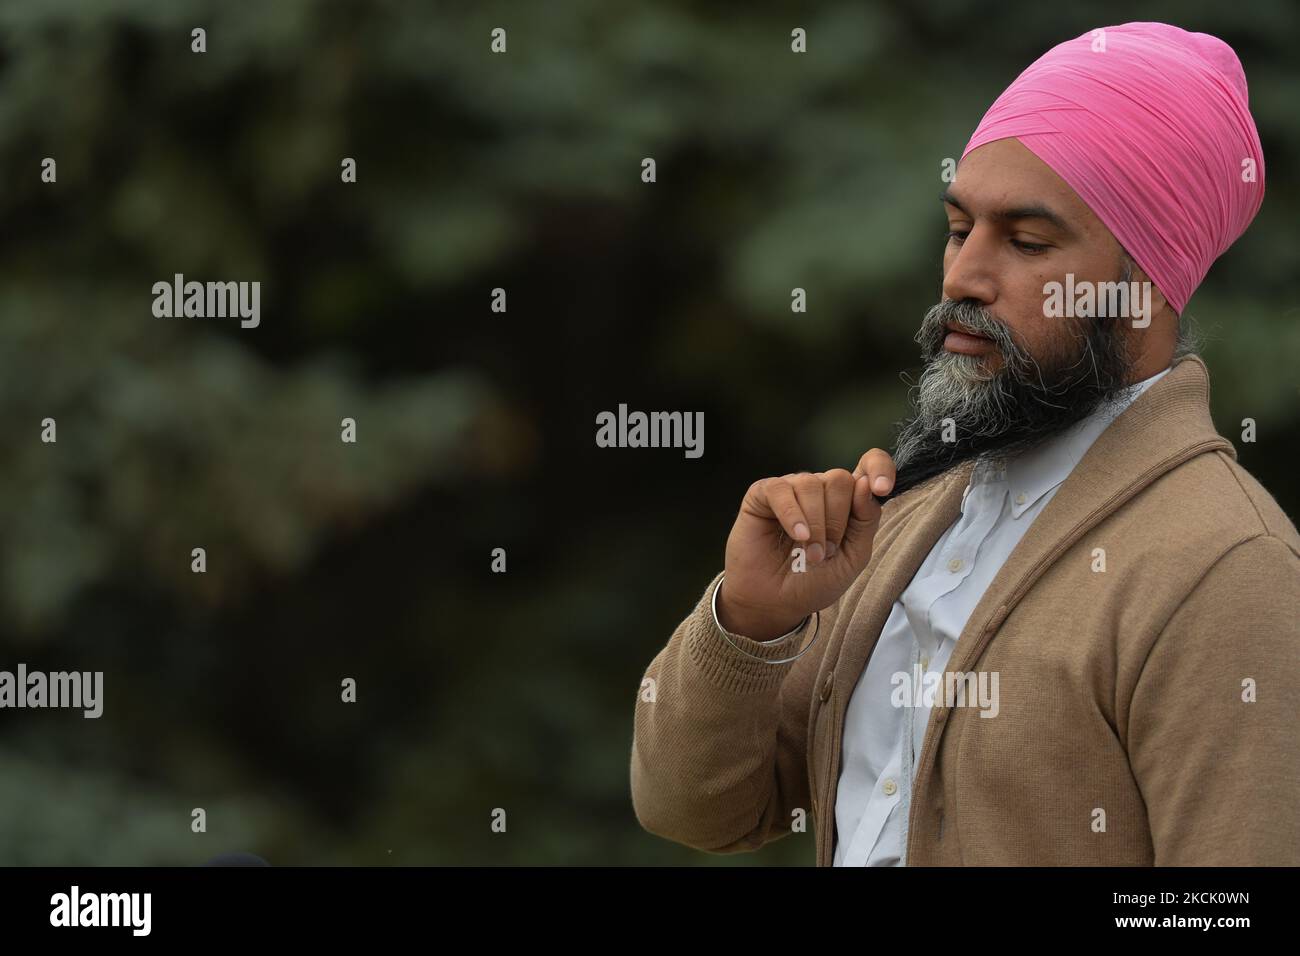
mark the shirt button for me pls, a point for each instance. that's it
(1020, 498)
(889, 787)
(925, 663)
(955, 565)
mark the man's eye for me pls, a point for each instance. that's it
(1030, 248)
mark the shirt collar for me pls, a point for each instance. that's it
(1037, 471)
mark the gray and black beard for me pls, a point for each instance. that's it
(1001, 414)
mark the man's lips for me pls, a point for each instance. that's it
(965, 341)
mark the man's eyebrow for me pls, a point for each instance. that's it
(1031, 211)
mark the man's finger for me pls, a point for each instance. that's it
(839, 507)
(811, 494)
(878, 466)
(774, 497)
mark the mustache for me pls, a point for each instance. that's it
(970, 315)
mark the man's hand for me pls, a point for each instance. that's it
(831, 515)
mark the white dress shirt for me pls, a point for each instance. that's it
(881, 741)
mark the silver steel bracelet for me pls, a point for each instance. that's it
(786, 660)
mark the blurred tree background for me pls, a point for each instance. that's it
(475, 429)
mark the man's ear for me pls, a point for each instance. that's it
(1137, 274)
(1159, 304)
(1162, 332)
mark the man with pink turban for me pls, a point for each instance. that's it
(1071, 633)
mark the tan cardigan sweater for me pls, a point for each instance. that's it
(1126, 734)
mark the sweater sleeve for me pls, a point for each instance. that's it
(719, 757)
(1218, 770)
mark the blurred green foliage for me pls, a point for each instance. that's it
(371, 561)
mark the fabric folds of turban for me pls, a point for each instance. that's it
(1150, 125)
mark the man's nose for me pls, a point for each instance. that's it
(970, 272)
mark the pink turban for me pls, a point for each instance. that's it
(1152, 131)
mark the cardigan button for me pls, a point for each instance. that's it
(826, 686)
